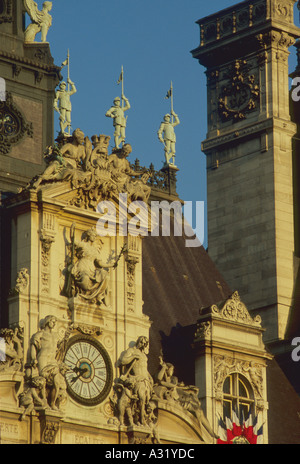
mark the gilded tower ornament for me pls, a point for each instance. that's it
(240, 95)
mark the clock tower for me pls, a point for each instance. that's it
(245, 50)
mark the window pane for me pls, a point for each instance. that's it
(226, 386)
(242, 390)
(227, 409)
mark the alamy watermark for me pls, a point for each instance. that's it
(161, 218)
(296, 351)
(2, 90)
(296, 90)
(2, 350)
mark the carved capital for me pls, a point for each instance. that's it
(46, 239)
(49, 431)
(203, 331)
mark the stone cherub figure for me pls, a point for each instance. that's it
(167, 136)
(41, 20)
(116, 112)
(34, 395)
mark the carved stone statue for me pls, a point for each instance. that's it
(137, 383)
(116, 112)
(65, 163)
(34, 395)
(166, 384)
(11, 350)
(122, 175)
(45, 349)
(89, 273)
(96, 175)
(62, 104)
(168, 388)
(167, 136)
(41, 20)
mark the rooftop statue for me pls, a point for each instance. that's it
(41, 20)
(123, 175)
(62, 102)
(166, 133)
(116, 112)
(65, 163)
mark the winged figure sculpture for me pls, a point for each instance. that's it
(41, 20)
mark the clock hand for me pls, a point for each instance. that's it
(79, 371)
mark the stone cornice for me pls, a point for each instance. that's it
(11, 57)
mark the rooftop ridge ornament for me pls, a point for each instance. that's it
(166, 133)
(116, 112)
(41, 21)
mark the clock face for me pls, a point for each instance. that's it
(90, 374)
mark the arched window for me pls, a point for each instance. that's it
(238, 396)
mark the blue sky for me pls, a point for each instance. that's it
(152, 40)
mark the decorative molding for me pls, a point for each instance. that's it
(49, 431)
(22, 283)
(223, 366)
(203, 331)
(6, 13)
(235, 310)
(47, 239)
(13, 125)
(131, 261)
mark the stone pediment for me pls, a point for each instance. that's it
(232, 310)
(80, 173)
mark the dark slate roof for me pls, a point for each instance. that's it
(177, 282)
(284, 408)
